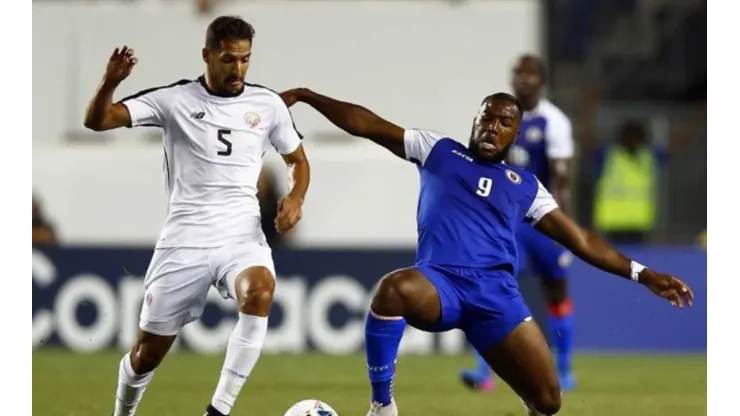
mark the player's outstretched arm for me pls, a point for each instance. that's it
(593, 249)
(102, 114)
(352, 118)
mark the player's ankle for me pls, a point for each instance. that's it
(211, 410)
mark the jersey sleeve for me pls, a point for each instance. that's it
(543, 204)
(147, 107)
(418, 144)
(284, 136)
(559, 136)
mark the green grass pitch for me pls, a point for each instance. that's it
(71, 384)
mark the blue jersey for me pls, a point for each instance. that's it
(469, 210)
(545, 133)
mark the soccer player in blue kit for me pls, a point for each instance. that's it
(544, 148)
(470, 208)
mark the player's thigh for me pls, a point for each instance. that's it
(523, 360)
(493, 311)
(176, 286)
(432, 302)
(240, 265)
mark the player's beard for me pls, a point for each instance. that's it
(499, 156)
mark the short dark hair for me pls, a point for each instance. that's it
(632, 128)
(539, 62)
(506, 97)
(228, 28)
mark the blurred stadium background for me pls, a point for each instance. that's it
(616, 66)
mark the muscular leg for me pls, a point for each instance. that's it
(560, 323)
(254, 289)
(522, 360)
(403, 296)
(136, 369)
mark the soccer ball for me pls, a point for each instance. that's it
(311, 408)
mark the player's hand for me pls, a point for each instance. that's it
(289, 213)
(290, 97)
(667, 287)
(120, 64)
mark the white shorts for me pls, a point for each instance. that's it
(178, 280)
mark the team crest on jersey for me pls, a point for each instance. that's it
(513, 177)
(252, 119)
(533, 134)
(149, 298)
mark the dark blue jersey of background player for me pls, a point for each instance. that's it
(545, 143)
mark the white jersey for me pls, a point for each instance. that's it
(213, 151)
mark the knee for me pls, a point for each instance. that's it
(392, 294)
(255, 289)
(548, 401)
(144, 359)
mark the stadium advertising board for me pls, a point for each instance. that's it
(89, 299)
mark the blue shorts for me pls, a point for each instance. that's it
(486, 305)
(545, 258)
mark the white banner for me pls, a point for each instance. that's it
(360, 194)
(419, 63)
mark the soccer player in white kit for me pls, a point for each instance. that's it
(216, 131)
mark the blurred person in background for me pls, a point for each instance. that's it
(43, 232)
(627, 172)
(545, 148)
(701, 239)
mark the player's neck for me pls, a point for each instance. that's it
(208, 84)
(530, 103)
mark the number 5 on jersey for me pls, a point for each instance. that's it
(222, 134)
(484, 187)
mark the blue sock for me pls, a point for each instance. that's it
(382, 338)
(482, 366)
(560, 323)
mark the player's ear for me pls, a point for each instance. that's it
(205, 55)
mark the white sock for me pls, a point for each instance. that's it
(131, 387)
(242, 353)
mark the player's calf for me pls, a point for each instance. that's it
(546, 401)
(522, 359)
(400, 296)
(383, 332)
(136, 370)
(254, 288)
(560, 324)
